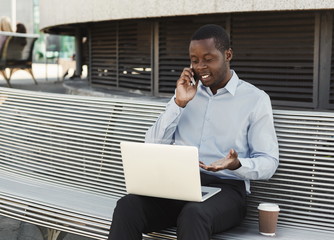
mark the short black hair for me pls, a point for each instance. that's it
(218, 33)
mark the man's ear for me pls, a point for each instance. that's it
(228, 54)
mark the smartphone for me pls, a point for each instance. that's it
(193, 81)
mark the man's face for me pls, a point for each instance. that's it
(210, 65)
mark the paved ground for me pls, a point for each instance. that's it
(47, 77)
(11, 229)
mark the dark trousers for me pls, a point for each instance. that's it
(136, 214)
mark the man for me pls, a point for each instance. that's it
(231, 123)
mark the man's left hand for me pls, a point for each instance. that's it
(230, 162)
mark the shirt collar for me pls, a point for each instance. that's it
(231, 85)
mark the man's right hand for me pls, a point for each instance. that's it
(185, 91)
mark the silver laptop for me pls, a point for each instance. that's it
(165, 171)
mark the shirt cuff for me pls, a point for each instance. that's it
(173, 110)
(244, 169)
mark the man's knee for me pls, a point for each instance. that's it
(126, 222)
(127, 205)
(193, 223)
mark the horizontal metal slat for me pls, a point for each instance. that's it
(110, 190)
(49, 167)
(306, 176)
(104, 104)
(52, 163)
(57, 139)
(88, 113)
(310, 195)
(88, 183)
(61, 153)
(80, 130)
(80, 100)
(21, 202)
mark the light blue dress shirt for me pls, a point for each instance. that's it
(239, 116)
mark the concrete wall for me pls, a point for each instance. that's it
(24, 12)
(5, 8)
(59, 12)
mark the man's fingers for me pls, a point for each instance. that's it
(232, 154)
(212, 169)
(206, 167)
(187, 72)
(187, 75)
(209, 168)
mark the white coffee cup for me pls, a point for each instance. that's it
(268, 216)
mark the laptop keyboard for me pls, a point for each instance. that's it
(204, 193)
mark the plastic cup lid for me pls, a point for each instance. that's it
(268, 207)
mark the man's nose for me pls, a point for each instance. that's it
(202, 64)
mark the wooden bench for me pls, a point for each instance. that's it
(16, 51)
(60, 165)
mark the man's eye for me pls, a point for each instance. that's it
(209, 60)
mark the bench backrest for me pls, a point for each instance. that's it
(74, 141)
(70, 140)
(17, 48)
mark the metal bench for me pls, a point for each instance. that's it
(16, 51)
(60, 165)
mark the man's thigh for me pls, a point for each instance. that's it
(156, 213)
(228, 209)
(223, 211)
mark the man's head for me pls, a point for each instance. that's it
(5, 24)
(210, 55)
(222, 40)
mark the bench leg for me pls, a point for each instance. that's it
(3, 73)
(13, 70)
(52, 234)
(32, 75)
(55, 234)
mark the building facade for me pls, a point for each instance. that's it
(19, 11)
(283, 47)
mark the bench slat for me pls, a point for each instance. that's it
(72, 143)
(249, 231)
